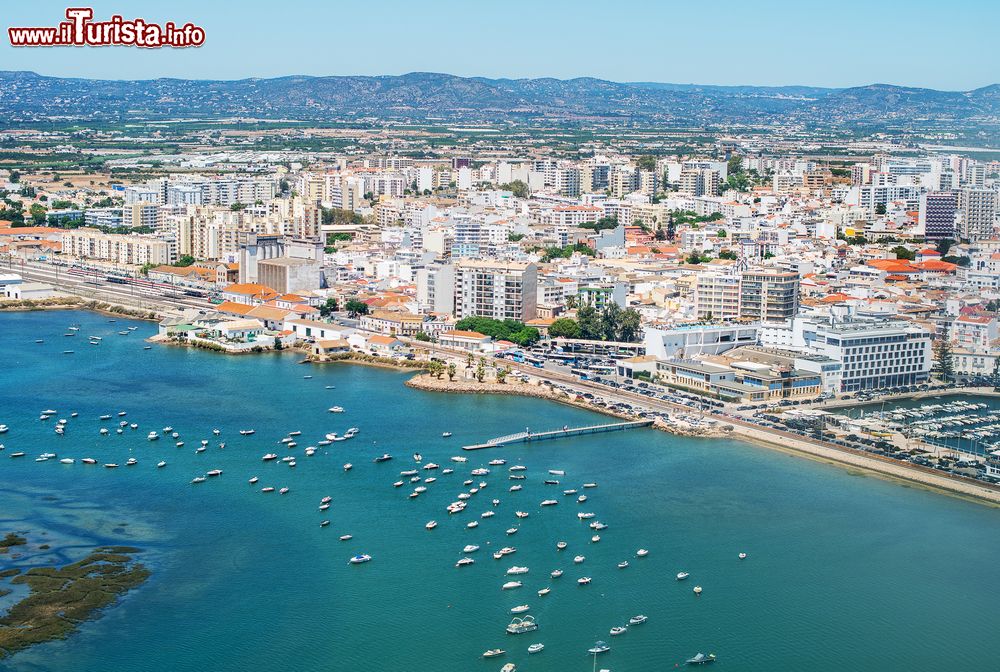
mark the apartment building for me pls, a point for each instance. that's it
(937, 214)
(978, 210)
(128, 249)
(769, 296)
(500, 290)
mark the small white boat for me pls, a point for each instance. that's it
(216, 432)
(199, 479)
(346, 537)
(431, 525)
(515, 488)
(487, 514)
(89, 460)
(4, 429)
(214, 472)
(697, 590)
(536, 648)
(253, 479)
(557, 472)
(510, 585)
(269, 457)
(21, 454)
(430, 465)
(397, 484)
(517, 467)
(470, 548)
(515, 570)
(682, 575)
(336, 409)
(578, 559)
(623, 564)
(581, 499)
(497, 462)
(283, 491)
(161, 464)
(472, 524)
(544, 591)
(590, 485)
(465, 561)
(596, 538)
(511, 531)
(493, 653)
(618, 630)
(459, 458)
(131, 462)
(584, 580)
(268, 488)
(571, 491)
(446, 434)
(104, 431)
(247, 432)
(642, 553)
(348, 466)
(638, 620)
(742, 556)
(520, 609)
(556, 573)
(561, 545)
(584, 516)
(359, 559)
(549, 502)
(506, 550)
(521, 514)
(324, 523)
(324, 506)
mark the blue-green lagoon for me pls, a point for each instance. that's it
(844, 571)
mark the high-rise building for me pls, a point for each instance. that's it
(495, 289)
(769, 296)
(937, 214)
(978, 210)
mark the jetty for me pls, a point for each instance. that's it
(529, 436)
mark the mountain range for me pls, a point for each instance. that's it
(27, 96)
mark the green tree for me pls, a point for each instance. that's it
(728, 254)
(721, 233)
(515, 237)
(944, 362)
(880, 209)
(904, 253)
(502, 374)
(185, 260)
(944, 245)
(629, 325)
(15, 176)
(236, 207)
(355, 308)
(481, 370)
(517, 187)
(962, 261)
(589, 323)
(435, 368)
(646, 162)
(422, 336)
(452, 370)
(564, 327)
(37, 213)
(329, 307)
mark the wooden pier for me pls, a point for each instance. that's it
(566, 432)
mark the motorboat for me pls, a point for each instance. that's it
(346, 537)
(104, 417)
(560, 545)
(247, 432)
(520, 609)
(408, 473)
(544, 591)
(152, 436)
(550, 482)
(336, 409)
(522, 624)
(642, 553)
(618, 630)
(521, 514)
(89, 460)
(385, 457)
(161, 464)
(590, 485)
(584, 516)
(515, 488)
(623, 564)
(487, 514)
(472, 524)
(511, 531)
(324, 507)
(267, 489)
(597, 525)
(431, 525)
(470, 548)
(430, 465)
(518, 467)
(515, 571)
(596, 538)
(465, 561)
(682, 575)
(104, 431)
(701, 659)
(516, 477)
(324, 523)
(214, 472)
(21, 454)
(556, 573)
(571, 491)
(536, 648)
(557, 472)
(549, 502)
(446, 434)
(348, 466)
(398, 484)
(459, 458)
(360, 559)
(579, 559)
(131, 462)
(253, 479)
(509, 667)
(283, 491)
(447, 471)
(638, 620)
(510, 585)
(199, 479)
(493, 653)
(697, 590)
(599, 647)
(506, 550)
(481, 471)
(581, 499)
(742, 556)
(497, 462)
(4, 429)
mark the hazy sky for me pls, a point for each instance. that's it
(945, 45)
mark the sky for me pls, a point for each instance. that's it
(943, 45)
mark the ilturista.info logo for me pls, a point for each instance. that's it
(80, 30)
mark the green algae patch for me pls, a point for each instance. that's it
(60, 598)
(11, 540)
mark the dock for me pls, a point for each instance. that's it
(566, 432)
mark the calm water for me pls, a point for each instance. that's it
(845, 571)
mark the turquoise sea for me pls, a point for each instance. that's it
(845, 572)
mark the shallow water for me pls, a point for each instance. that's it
(845, 571)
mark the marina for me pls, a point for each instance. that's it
(666, 505)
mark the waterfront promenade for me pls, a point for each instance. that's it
(528, 436)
